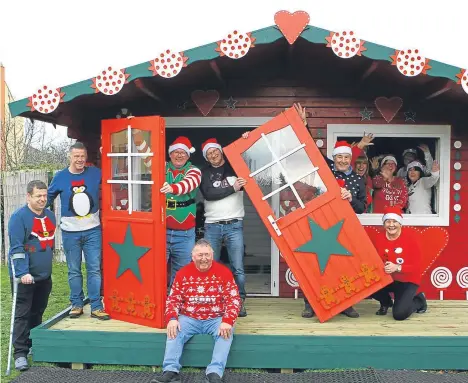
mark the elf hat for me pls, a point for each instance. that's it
(393, 212)
(389, 158)
(416, 165)
(210, 143)
(342, 147)
(182, 143)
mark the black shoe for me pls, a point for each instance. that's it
(167, 377)
(213, 377)
(243, 311)
(308, 311)
(383, 310)
(350, 312)
(423, 300)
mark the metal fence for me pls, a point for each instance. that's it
(13, 196)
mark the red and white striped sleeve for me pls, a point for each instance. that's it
(191, 181)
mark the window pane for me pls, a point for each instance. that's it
(119, 168)
(270, 179)
(141, 140)
(119, 198)
(119, 142)
(257, 155)
(141, 195)
(283, 141)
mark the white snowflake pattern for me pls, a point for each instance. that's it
(233, 292)
(236, 302)
(200, 289)
(190, 309)
(215, 309)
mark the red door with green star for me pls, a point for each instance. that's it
(133, 220)
(299, 200)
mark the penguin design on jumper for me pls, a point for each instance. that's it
(81, 202)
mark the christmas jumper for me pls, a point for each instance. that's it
(31, 243)
(354, 183)
(420, 193)
(386, 194)
(204, 295)
(222, 202)
(181, 209)
(79, 197)
(404, 251)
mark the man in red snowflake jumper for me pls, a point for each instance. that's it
(204, 299)
(401, 254)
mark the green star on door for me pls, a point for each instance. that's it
(129, 254)
(324, 243)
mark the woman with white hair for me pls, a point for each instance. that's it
(400, 250)
(419, 187)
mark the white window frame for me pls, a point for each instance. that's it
(129, 182)
(442, 153)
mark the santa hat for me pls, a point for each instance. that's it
(389, 158)
(182, 143)
(415, 164)
(393, 212)
(210, 143)
(342, 147)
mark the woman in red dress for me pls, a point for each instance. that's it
(401, 254)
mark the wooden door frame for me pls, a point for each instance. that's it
(233, 122)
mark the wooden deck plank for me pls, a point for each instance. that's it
(273, 316)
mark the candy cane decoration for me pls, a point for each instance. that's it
(462, 279)
(441, 278)
(142, 146)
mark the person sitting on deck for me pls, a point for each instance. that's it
(204, 299)
(401, 253)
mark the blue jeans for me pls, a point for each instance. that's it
(190, 327)
(90, 243)
(179, 245)
(232, 235)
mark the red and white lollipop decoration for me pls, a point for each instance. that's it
(410, 62)
(345, 44)
(463, 79)
(441, 278)
(168, 64)
(45, 100)
(292, 281)
(235, 45)
(110, 81)
(462, 279)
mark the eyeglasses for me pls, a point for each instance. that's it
(202, 255)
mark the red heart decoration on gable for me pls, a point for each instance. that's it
(433, 240)
(205, 100)
(290, 24)
(388, 107)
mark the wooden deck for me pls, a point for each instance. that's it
(274, 335)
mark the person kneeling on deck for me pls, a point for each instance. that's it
(401, 254)
(204, 299)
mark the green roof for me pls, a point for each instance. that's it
(262, 36)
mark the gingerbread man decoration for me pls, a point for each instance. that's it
(147, 308)
(348, 285)
(115, 301)
(131, 310)
(368, 274)
(328, 295)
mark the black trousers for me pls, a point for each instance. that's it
(31, 302)
(405, 302)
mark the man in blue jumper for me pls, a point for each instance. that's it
(78, 187)
(31, 231)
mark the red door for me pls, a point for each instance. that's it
(133, 220)
(298, 198)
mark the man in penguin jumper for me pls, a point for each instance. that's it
(78, 186)
(204, 299)
(31, 231)
(401, 253)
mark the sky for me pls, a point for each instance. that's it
(49, 43)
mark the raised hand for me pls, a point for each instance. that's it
(301, 111)
(366, 140)
(435, 166)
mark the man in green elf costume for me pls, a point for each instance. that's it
(182, 182)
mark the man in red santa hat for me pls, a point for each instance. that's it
(401, 253)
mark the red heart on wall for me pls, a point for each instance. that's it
(290, 24)
(205, 100)
(433, 240)
(388, 107)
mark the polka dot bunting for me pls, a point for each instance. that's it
(168, 64)
(110, 81)
(235, 45)
(45, 100)
(410, 62)
(345, 44)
